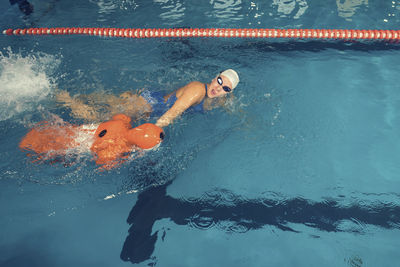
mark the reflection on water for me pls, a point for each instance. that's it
(176, 11)
(226, 9)
(129, 4)
(347, 8)
(106, 7)
(233, 213)
(232, 13)
(172, 11)
(290, 8)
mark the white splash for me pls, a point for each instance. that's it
(120, 193)
(24, 81)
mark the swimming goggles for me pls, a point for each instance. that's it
(226, 88)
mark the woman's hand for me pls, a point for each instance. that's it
(63, 97)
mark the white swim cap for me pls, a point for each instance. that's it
(232, 76)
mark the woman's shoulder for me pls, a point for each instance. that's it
(195, 84)
(192, 88)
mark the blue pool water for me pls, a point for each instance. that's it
(300, 169)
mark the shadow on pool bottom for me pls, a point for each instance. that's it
(245, 214)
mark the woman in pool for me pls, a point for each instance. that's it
(195, 96)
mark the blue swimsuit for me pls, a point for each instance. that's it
(159, 106)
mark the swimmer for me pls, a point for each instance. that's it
(195, 96)
(97, 107)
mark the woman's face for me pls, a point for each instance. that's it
(216, 89)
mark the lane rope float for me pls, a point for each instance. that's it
(333, 34)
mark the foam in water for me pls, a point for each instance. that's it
(24, 81)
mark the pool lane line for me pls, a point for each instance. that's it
(332, 34)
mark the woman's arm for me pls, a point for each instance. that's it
(191, 94)
(78, 109)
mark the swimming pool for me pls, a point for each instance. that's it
(300, 170)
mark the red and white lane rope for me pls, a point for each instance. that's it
(217, 32)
